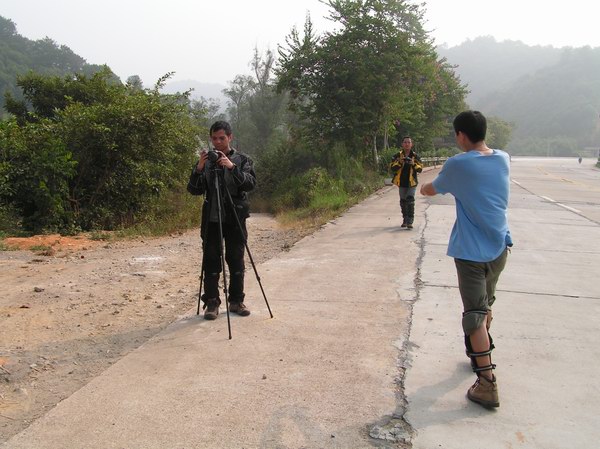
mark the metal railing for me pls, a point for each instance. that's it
(433, 161)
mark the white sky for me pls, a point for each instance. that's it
(213, 41)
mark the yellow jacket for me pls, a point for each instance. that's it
(397, 164)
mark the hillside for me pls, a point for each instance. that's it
(488, 66)
(19, 55)
(551, 95)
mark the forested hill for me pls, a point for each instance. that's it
(18, 55)
(488, 66)
(552, 95)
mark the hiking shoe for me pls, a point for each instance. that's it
(409, 225)
(211, 309)
(239, 308)
(403, 225)
(484, 392)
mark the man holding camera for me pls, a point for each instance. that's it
(479, 180)
(236, 177)
(405, 165)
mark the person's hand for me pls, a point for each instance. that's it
(202, 161)
(224, 161)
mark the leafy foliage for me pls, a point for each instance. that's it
(92, 153)
(255, 107)
(19, 55)
(377, 74)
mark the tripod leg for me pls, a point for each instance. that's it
(245, 240)
(201, 279)
(222, 249)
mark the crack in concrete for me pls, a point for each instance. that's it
(396, 429)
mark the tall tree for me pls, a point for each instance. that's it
(238, 92)
(378, 68)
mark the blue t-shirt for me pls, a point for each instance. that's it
(480, 185)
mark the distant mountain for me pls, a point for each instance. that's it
(488, 66)
(552, 95)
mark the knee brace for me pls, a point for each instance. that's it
(473, 355)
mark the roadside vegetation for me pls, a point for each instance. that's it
(321, 118)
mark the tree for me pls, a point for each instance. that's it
(135, 82)
(238, 92)
(498, 132)
(380, 67)
(265, 104)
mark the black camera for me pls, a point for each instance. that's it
(213, 155)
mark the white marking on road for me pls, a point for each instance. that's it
(572, 209)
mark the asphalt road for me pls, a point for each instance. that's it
(366, 350)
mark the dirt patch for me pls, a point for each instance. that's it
(71, 307)
(52, 242)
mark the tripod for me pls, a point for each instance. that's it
(218, 177)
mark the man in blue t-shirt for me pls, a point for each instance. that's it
(479, 180)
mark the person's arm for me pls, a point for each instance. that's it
(197, 182)
(428, 189)
(418, 163)
(396, 164)
(244, 176)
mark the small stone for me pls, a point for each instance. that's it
(38, 289)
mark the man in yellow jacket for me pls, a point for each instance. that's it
(405, 165)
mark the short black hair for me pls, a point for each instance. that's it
(221, 124)
(472, 123)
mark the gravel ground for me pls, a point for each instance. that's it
(72, 307)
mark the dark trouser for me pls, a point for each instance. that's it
(407, 203)
(234, 256)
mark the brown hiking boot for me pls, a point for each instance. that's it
(239, 308)
(484, 392)
(211, 309)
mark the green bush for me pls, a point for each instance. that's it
(94, 154)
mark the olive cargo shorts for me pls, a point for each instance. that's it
(477, 285)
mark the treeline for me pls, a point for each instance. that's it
(550, 95)
(320, 117)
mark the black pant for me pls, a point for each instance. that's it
(234, 256)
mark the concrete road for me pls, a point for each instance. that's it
(546, 324)
(365, 349)
(323, 373)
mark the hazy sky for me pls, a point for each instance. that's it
(212, 41)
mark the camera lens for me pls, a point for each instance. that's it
(212, 155)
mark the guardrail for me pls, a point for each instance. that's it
(433, 161)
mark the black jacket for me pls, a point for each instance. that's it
(239, 180)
